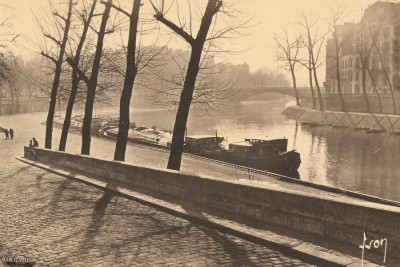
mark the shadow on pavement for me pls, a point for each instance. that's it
(39, 179)
(58, 193)
(97, 220)
(236, 252)
(22, 169)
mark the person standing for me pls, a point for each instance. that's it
(6, 132)
(11, 133)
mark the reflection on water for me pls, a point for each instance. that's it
(344, 158)
(358, 161)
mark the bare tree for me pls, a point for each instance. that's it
(75, 76)
(310, 77)
(130, 75)
(364, 52)
(197, 45)
(288, 54)
(213, 85)
(92, 81)
(8, 61)
(313, 43)
(14, 82)
(373, 36)
(58, 66)
(29, 72)
(364, 58)
(338, 42)
(386, 73)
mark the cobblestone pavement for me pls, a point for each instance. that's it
(55, 221)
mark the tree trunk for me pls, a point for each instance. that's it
(314, 106)
(28, 104)
(87, 119)
(296, 92)
(337, 59)
(342, 103)
(68, 112)
(12, 99)
(92, 84)
(321, 103)
(387, 78)
(175, 157)
(392, 93)
(130, 75)
(178, 138)
(56, 81)
(364, 87)
(375, 90)
(75, 81)
(19, 106)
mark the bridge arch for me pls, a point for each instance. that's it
(245, 93)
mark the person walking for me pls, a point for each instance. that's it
(11, 133)
(6, 132)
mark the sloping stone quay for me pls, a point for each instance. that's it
(358, 121)
(334, 215)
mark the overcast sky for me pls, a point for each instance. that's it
(258, 49)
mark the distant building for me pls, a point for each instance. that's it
(382, 20)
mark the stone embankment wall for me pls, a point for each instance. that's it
(319, 214)
(358, 121)
(355, 102)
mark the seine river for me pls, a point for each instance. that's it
(367, 163)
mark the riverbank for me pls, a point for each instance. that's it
(368, 122)
(325, 226)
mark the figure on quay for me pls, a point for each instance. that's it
(35, 143)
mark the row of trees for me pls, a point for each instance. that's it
(305, 50)
(291, 56)
(364, 39)
(15, 86)
(75, 45)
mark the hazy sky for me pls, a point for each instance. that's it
(258, 46)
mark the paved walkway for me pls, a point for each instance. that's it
(55, 221)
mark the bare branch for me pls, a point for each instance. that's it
(59, 16)
(82, 75)
(159, 16)
(119, 9)
(53, 39)
(49, 57)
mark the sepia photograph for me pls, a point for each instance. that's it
(200, 133)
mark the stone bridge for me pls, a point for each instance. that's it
(241, 94)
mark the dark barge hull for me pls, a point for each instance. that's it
(285, 163)
(136, 140)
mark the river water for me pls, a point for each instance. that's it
(367, 163)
